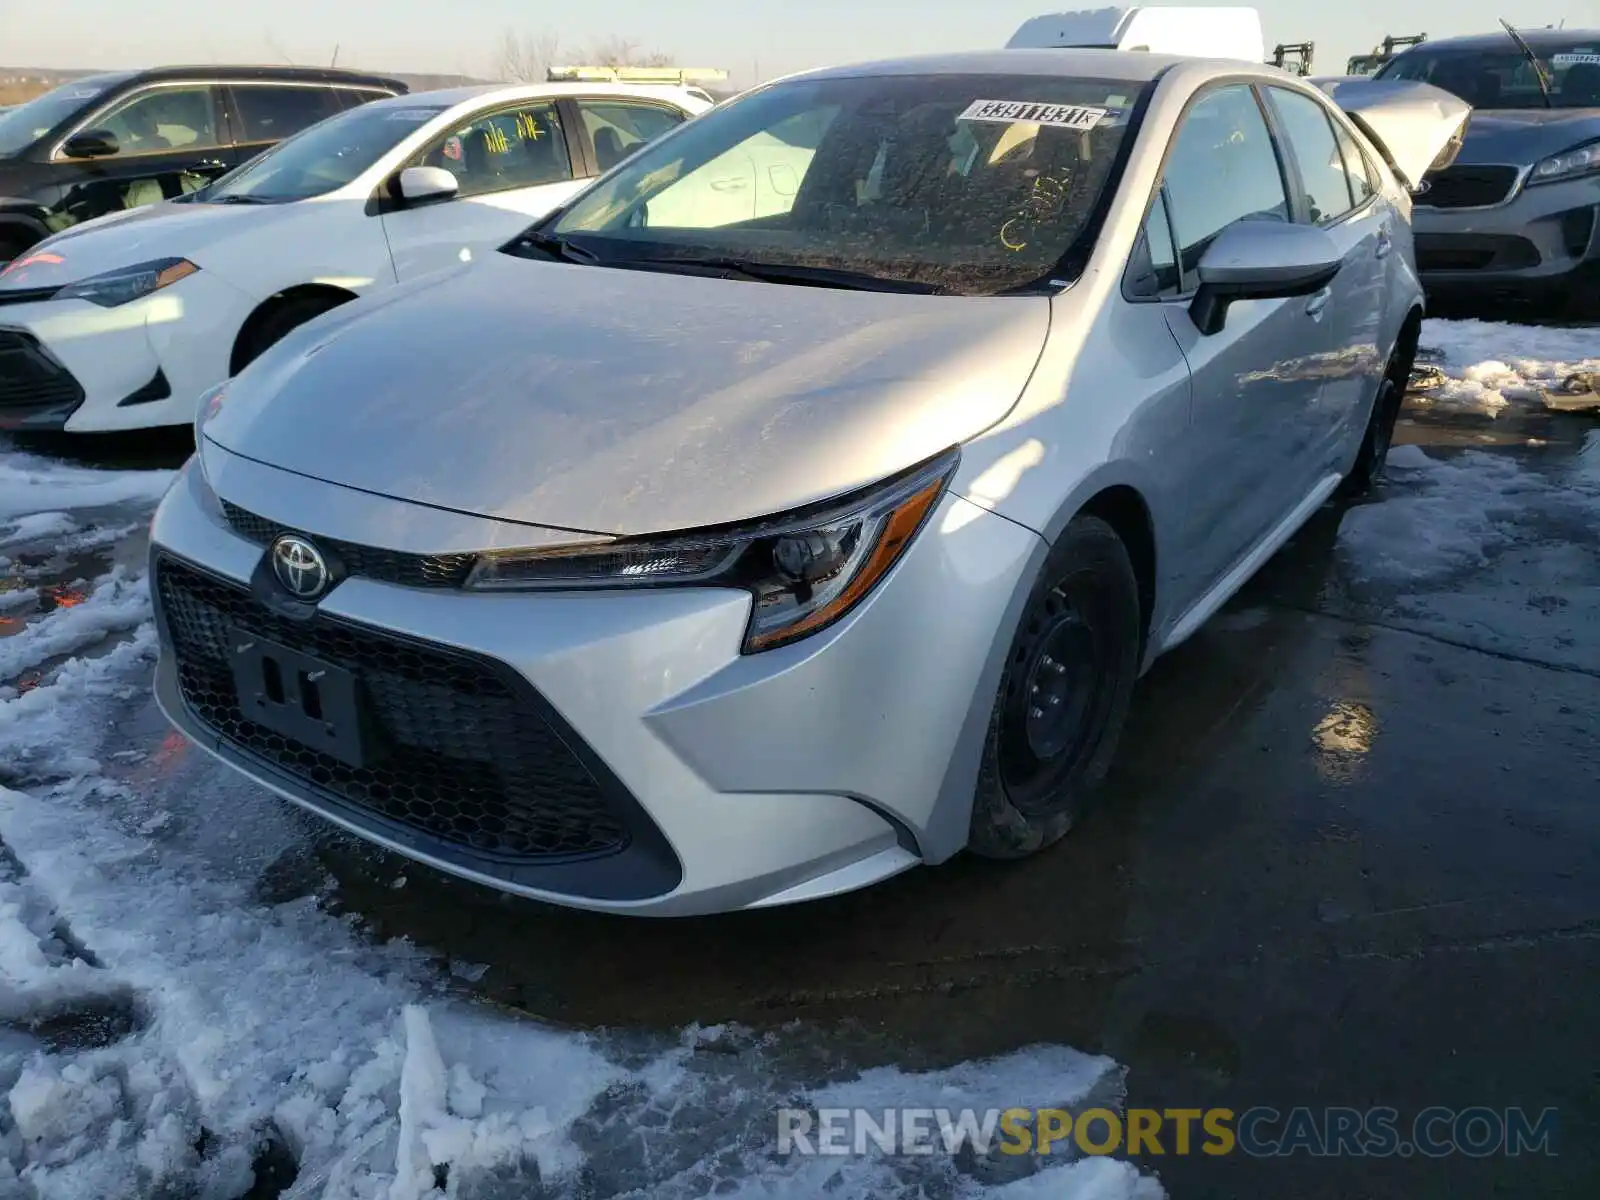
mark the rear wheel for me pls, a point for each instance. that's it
(1374, 453)
(277, 322)
(1063, 697)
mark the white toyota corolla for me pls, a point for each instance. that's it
(674, 559)
(122, 322)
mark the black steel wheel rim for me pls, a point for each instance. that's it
(1059, 675)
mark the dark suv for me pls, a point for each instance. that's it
(105, 143)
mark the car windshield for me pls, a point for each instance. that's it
(969, 184)
(1503, 77)
(24, 125)
(323, 158)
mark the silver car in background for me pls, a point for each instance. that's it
(1516, 214)
(803, 501)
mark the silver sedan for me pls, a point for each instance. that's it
(802, 502)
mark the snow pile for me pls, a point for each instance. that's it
(1489, 367)
(164, 1030)
(35, 489)
(1441, 516)
(119, 602)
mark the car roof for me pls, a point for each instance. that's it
(259, 72)
(1131, 66)
(1536, 38)
(496, 92)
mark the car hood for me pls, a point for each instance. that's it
(628, 402)
(1524, 136)
(140, 235)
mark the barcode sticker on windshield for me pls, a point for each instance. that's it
(1572, 60)
(1061, 116)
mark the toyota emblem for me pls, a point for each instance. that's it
(300, 567)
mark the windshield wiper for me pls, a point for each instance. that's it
(239, 198)
(1538, 67)
(761, 272)
(556, 248)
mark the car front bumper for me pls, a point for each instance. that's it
(73, 365)
(741, 781)
(1538, 243)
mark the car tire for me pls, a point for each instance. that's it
(1374, 453)
(281, 320)
(1063, 697)
(12, 245)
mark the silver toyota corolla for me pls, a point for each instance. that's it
(803, 501)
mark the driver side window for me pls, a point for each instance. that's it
(163, 119)
(496, 152)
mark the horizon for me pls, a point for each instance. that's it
(403, 37)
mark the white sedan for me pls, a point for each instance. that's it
(122, 323)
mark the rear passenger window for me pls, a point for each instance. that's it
(1322, 171)
(619, 127)
(270, 113)
(1223, 168)
(349, 98)
(1357, 165)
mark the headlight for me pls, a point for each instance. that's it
(128, 283)
(805, 570)
(209, 405)
(1579, 161)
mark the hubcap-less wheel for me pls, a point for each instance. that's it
(1050, 701)
(1063, 697)
(1383, 435)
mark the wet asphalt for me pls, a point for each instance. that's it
(1348, 858)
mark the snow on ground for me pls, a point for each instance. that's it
(164, 1030)
(1490, 367)
(36, 488)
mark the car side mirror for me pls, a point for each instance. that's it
(91, 143)
(426, 185)
(1261, 260)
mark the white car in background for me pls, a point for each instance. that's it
(123, 322)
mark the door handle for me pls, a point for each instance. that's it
(1319, 302)
(1384, 243)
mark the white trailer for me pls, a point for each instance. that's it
(1160, 29)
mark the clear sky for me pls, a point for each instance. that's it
(742, 36)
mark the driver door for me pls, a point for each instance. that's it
(512, 165)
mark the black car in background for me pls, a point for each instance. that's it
(105, 143)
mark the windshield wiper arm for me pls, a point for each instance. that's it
(237, 198)
(1538, 67)
(761, 272)
(557, 248)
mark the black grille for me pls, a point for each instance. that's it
(366, 562)
(1474, 252)
(458, 753)
(1468, 187)
(30, 378)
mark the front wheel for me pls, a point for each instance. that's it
(1064, 695)
(11, 246)
(280, 321)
